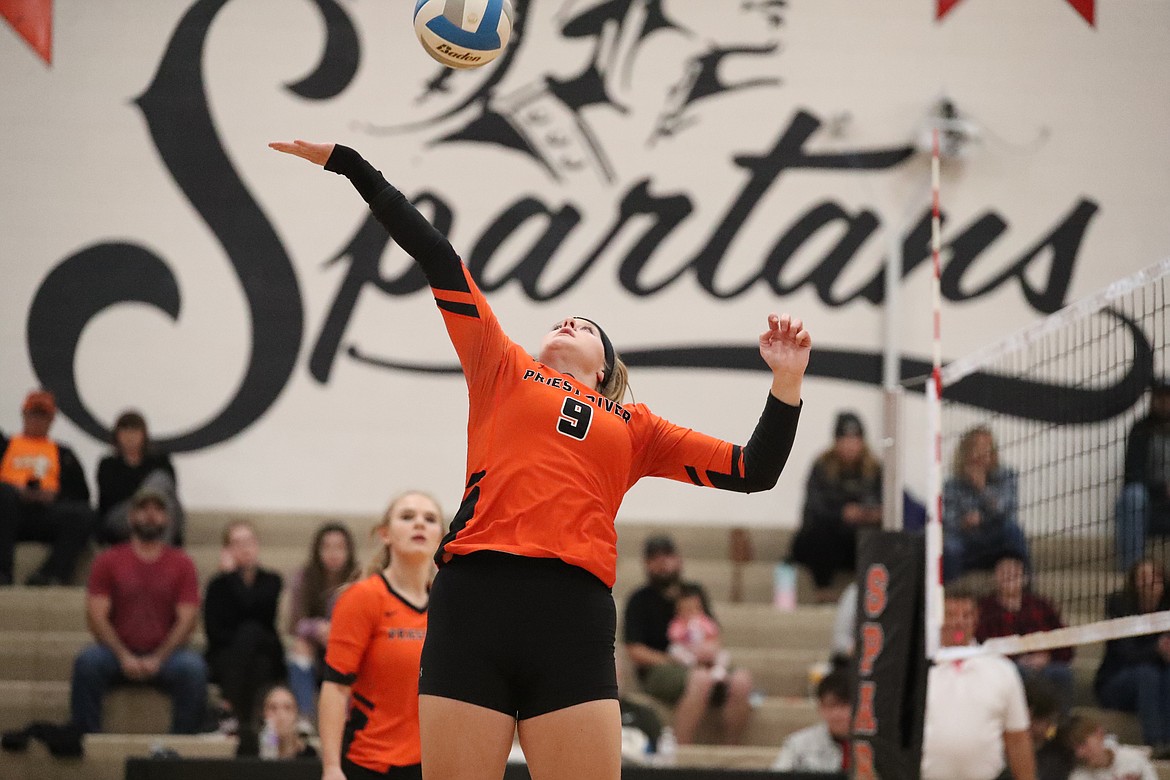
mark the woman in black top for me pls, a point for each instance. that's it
(244, 651)
(844, 494)
(134, 463)
(1134, 675)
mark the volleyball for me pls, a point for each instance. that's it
(463, 33)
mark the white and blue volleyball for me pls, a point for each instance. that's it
(463, 33)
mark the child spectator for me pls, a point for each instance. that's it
(694, 635)
(1100, 759)
(281, 716)
(824, 746)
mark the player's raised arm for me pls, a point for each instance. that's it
(406, 225)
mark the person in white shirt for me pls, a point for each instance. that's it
(823, 747)
(1098, 758)
(976, 714)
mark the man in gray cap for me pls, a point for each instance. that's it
(689, 689)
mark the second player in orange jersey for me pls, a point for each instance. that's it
(368, 710)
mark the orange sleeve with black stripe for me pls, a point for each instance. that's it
(674, 452)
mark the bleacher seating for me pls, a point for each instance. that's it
(42, 629)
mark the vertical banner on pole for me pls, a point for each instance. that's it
(891, 663)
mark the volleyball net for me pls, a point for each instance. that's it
(1042, 448)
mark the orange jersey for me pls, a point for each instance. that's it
(375, 641)
(27, 459)
(549, 461)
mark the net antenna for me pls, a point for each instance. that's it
(1060, 400)
(934, 582)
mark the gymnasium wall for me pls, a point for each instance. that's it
(675, 169)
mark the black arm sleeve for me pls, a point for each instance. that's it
(409, 229)
(767, 450)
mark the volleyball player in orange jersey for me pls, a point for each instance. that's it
(522, 621)
(372, 658)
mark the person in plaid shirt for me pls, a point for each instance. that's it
(1014, 609)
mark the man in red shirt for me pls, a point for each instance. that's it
(142, 605)
(1015, 609)
(43, 495)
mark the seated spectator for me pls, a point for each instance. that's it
(980, 505)
(332, 563)
(244, 652)
(1097, 758)
(976, 714)
(694, 636)
(691, 690)
(825, 746)
(1134, 675)
(281, 715)
(1053, 760)
(142, 605)
(844, 493)
(134, 463)
(43, 496)
(1014, 609)
(1143, 509)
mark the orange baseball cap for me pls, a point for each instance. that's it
(40, 400)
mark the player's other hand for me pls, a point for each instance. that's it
(318, 154)
(785, 345)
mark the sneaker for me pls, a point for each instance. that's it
(228, 726)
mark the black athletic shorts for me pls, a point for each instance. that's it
(522, 636)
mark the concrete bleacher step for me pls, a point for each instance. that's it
(42, 609)
(36, 764)
(23, 701)
(119, 747)
(778, 671)
(106, 754)
(760, 625)
(770, 721)
(131, 709)
(726, 756)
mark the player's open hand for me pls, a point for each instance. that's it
(785, 345)
(318, 154)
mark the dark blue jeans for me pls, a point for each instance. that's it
(183, 675)
(979, 549)
(1144, 689)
